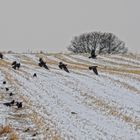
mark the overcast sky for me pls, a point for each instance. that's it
(51, 24)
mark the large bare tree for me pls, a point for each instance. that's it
(102, 43)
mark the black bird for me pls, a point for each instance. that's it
(1, 55)
(42, 63)
(94, 68)
(34, 75)
(9, 103)
(15, 65)
(19, 104)
(63, 66)
(7, 89)
(4, 82)
(73, 113)
(10, 94)
(34, 134)
(92, 54)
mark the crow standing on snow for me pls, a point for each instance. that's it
(4, 82)
(15, 65)
(7, 89)
(63, 66)
(94, 68)
(10, 94)
(42, 63)
(34, 75)
(92, 54)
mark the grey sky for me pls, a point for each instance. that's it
(50, 24)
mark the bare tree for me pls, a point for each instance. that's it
(102, 43)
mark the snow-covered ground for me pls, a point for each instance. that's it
(73, 106)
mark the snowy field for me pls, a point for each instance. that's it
(71, 106)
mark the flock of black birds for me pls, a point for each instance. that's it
(63, 66)
(13, 102)
(16, 65)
